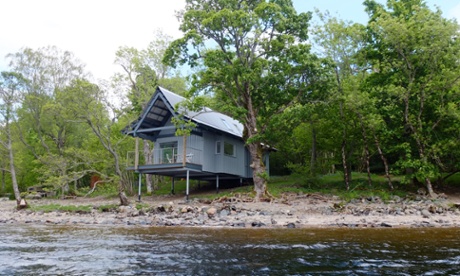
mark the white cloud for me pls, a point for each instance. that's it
(91, 29)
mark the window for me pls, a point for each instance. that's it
(229, 149)
(218, 147)
(168, 152)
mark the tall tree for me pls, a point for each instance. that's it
(344, 44)
(414, 53)
(11, 86)
(43, 113)
(255, 59)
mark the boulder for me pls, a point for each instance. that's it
(211, 212)
(290, 225)
(425, 213)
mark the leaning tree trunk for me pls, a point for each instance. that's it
(385, 162)
(21, 203)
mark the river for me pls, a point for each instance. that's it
(52, 250)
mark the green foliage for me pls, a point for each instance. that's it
(140, 206)
(62, 208)
(388, 89)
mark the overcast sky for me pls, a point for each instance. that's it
(94, 29)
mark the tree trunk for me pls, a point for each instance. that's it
(384, 160)
(123, 198)
(366, 149)
(429, 187)
(157, 179)
(258, 171)
(3, 181)
(313, 151)
(17, 195)
(148, 161)
(346, 176)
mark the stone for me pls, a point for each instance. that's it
(224, 213)
(186, 209)
(211, 212)
(425, 213)
(239, 224)
(290, 225)
(257, 224)
(384, 224)
(160, 209)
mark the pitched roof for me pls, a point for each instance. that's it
(163, 103)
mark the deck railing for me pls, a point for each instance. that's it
(166, 156)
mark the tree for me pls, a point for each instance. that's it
(344, 44)
(144, 71)
(46, 125)
(253, 57)
(11, 85)
(414, 56)
(91, 106)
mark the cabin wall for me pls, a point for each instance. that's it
(217, 161)
(204, 149)
(194, 145)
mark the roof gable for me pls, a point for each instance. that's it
(162, 106)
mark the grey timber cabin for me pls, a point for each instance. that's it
(213, 151)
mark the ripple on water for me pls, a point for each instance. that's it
(52, 250)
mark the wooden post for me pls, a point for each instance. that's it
(188, 185)
(217, 184)
(172, 186)
(136, 155)
(184, 150)
(140, 183)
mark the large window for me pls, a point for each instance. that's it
(168, 152)
(229, 149)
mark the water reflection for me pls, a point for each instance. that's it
(51, 250)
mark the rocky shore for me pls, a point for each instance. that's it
(290, 211)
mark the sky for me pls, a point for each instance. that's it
(94, 29)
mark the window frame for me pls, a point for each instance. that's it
(233, 154)
(218, 149)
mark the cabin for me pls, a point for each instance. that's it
(213, 151)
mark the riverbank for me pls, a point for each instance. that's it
(289, 211)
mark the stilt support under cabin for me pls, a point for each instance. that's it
(217, 184)
(172, 185)
(188, 185)
(140, 184)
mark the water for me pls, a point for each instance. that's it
(51, 250)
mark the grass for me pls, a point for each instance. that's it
(62, 208)
(331, 184)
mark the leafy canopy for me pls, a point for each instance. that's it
(252, 55)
